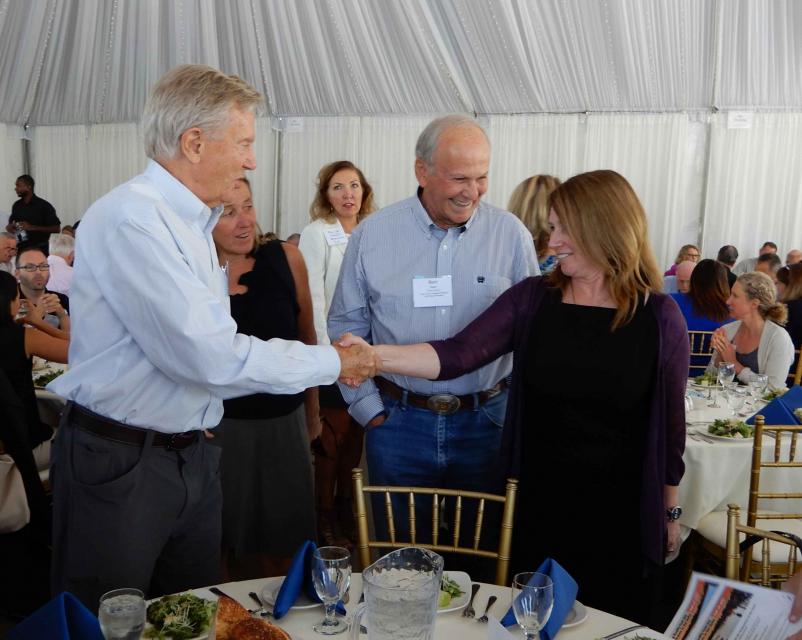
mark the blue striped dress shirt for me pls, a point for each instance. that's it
(374, 299)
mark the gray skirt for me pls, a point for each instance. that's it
(267, 480)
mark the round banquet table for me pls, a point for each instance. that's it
(298, 623)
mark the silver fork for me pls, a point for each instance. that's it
(623, 632)
(490, 603)
(469, 612)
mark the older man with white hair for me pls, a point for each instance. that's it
(683, 274)
(8, 249)
(62, 252)
(154, 352)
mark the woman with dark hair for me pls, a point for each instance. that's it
(789, 288)
(19, 341)
(265, 467)
(342, 200)
(588, 458)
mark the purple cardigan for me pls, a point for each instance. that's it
(505, 327)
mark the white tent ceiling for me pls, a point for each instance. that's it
(93, 61)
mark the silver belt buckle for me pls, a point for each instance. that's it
(443, 403)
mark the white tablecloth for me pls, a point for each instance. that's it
(298, 623)
(717, 473)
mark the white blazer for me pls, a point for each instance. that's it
(323, 263)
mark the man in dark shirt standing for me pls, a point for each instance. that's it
(32, 219)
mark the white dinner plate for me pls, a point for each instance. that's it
(575, 616)
(464, 582)
(270, 593)
(704, 432)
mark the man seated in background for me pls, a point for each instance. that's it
(34, 217)
(794, 256)
(683, 273)
(749, 264)
(727, 256)
(33, 273)
(769, 263)
(8, 249)
(62, 252)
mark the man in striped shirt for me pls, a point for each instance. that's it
(422, 269)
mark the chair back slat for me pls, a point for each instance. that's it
(388, 509)
(457, 520)
(436, 518)
(477, 530)
(701, 351)
(412, 530)
(795, 376)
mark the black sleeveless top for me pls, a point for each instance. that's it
(269, 309)
(17, 367)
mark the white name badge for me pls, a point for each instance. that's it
(335, 236)
(432, 292)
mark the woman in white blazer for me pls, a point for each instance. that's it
(342, 201)
(756, 342)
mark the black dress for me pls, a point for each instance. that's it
(586, 418)
(266, 468)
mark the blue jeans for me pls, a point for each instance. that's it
(419, 448)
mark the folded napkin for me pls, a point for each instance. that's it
(781, 409)
(63, 618)
(299, 577)
(565, 589)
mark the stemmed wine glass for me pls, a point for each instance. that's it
(758, 386)
(736, 399)
(331, 574)
(532, 602)
(726, 374)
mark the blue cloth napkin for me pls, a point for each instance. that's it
(565, 589)
(781, 409)
(63, 618)
(299, 577)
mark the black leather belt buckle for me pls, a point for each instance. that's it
(443, 403)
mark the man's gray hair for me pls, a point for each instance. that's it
(61, 244)
(191, 95)
(430, 136)
(6, 234)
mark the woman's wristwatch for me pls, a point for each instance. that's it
(673, 513)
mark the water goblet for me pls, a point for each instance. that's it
(122, 614)
(331, 574)
(736, 399)
(725, 375)
(532, 602)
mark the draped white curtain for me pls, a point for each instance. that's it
(10, 168)
(754, 190)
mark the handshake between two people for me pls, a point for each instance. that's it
(358, 360)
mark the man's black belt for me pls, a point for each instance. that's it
(441, 403)
(109, 429)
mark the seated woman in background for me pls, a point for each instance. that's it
(687, 252)
(756, 342)
(530, 202)
(705, 305)
(19, 341)
(583, 450)
(265, 467)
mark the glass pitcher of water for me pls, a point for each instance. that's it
(401, 592)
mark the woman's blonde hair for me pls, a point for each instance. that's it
(758, 286)
(606, 222)
(791, 276)
(321, 207)
(683, 250)
(530, 202)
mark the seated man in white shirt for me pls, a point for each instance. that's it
(62, 252)
(8, 249)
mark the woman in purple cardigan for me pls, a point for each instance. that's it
(595, 425)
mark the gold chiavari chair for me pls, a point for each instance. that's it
(452, 545)
(711, 532)
(701, 351)
(773, 545)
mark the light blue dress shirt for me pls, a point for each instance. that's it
(374, 299)
(153, 341)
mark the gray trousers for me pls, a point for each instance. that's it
(133, 516)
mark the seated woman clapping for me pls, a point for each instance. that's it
(756, 342)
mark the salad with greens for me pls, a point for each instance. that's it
(179, 616)
(46, 378)
(773, 393)
(707, 379)
(731, 428)
(449, 590)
